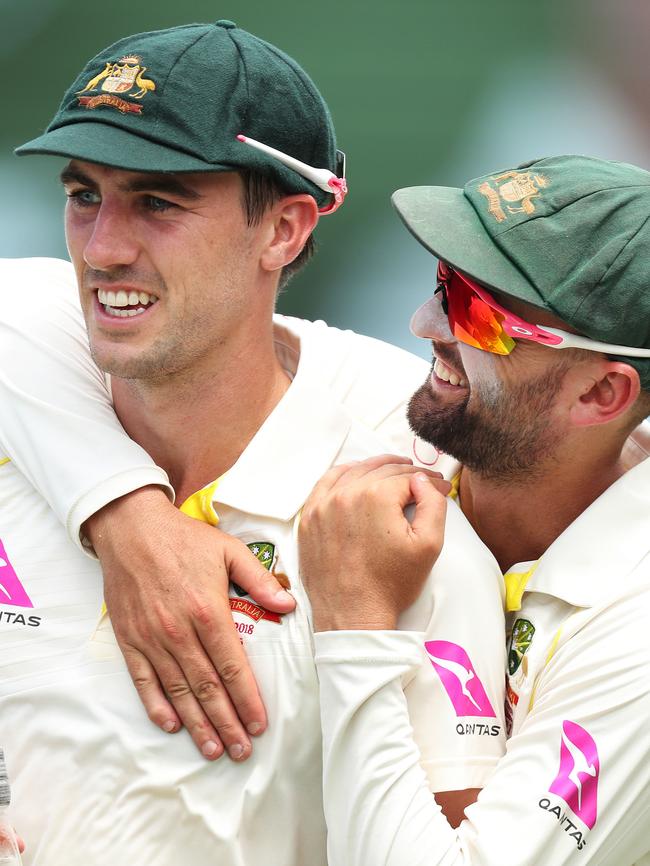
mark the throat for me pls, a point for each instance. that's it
(197, 434)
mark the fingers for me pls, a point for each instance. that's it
(430, 506)
(226, 653)
(159, 709)
(188, 690)
(262, 585)
(348, 471)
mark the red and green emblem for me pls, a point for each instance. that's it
(520, 640)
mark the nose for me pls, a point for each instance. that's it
(430, 322)
(112, 242)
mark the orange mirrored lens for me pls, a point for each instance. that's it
(473, 321)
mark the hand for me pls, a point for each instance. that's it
(166, 589)
(361, 559)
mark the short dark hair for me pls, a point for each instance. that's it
(261, 192)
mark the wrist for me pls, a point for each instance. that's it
(103, 525)
(352, 618)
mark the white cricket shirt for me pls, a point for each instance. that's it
(574, 784)
(93, 781)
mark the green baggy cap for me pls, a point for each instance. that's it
(568, 234)
(175, 100)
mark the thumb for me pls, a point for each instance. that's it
(247, 571)
(430, 497)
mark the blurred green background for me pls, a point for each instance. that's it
(425, 92)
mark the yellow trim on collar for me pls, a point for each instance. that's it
(199, 505)
(4, 460)
(516, 582)
(455, 486)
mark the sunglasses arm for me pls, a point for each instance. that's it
(321, 177)
(574, 341)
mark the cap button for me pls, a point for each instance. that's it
(227, 25)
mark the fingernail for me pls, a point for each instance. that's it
(283, 596)
(420, 476)
(236, 751)
(209, 748)
(254, 728)
(169, 726)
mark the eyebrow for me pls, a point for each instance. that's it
(154, 182)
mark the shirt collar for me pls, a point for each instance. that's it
(602, 545)
(299, 440)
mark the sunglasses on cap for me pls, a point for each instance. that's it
(321, 177)
(477, 319)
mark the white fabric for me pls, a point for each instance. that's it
(46, 426)
(94, 782)
(574, 785)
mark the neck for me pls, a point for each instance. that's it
(196, 424)
(519, 518)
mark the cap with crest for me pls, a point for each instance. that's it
(568, 234)
(176, 100)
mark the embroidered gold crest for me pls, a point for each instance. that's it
(513, 186)
(125, 76)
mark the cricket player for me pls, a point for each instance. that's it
(199, 160)
(540, 326)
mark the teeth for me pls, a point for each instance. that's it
(118, 313)
(443, 372)
(124, 299)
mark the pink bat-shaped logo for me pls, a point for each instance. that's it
(577, 779)
(11, 589)
(461, 682)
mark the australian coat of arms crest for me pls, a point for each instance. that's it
(126, 76)
(515, 189)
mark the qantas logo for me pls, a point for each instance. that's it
(11, 589)
(577, 779)
(457, 674)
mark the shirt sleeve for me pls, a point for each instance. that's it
(573, 787)
(58, 423)
(460, 681)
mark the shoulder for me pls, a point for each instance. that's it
(38, 291)
(373, 380)
(350, 355)
(37, 273)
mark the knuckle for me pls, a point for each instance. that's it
(178, 689)
(207, 689)
(171, 630)
(200, 729)
(203, 613)
(142, 683)
(230, 671)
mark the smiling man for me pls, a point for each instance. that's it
(540, 327)
(180, 229)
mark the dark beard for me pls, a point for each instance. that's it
(514, 437)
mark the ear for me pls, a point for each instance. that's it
(291, 220)
(606, 396)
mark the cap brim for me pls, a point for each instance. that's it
(109, 145)
(443, 220)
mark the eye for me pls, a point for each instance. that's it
(83, 197)
(157, 205)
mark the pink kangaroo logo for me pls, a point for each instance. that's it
(11, 589)
(460, 680)
(577, 779)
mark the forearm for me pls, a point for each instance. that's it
(378, 805)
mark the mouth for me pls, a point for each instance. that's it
(446, 374)
(125, 303)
